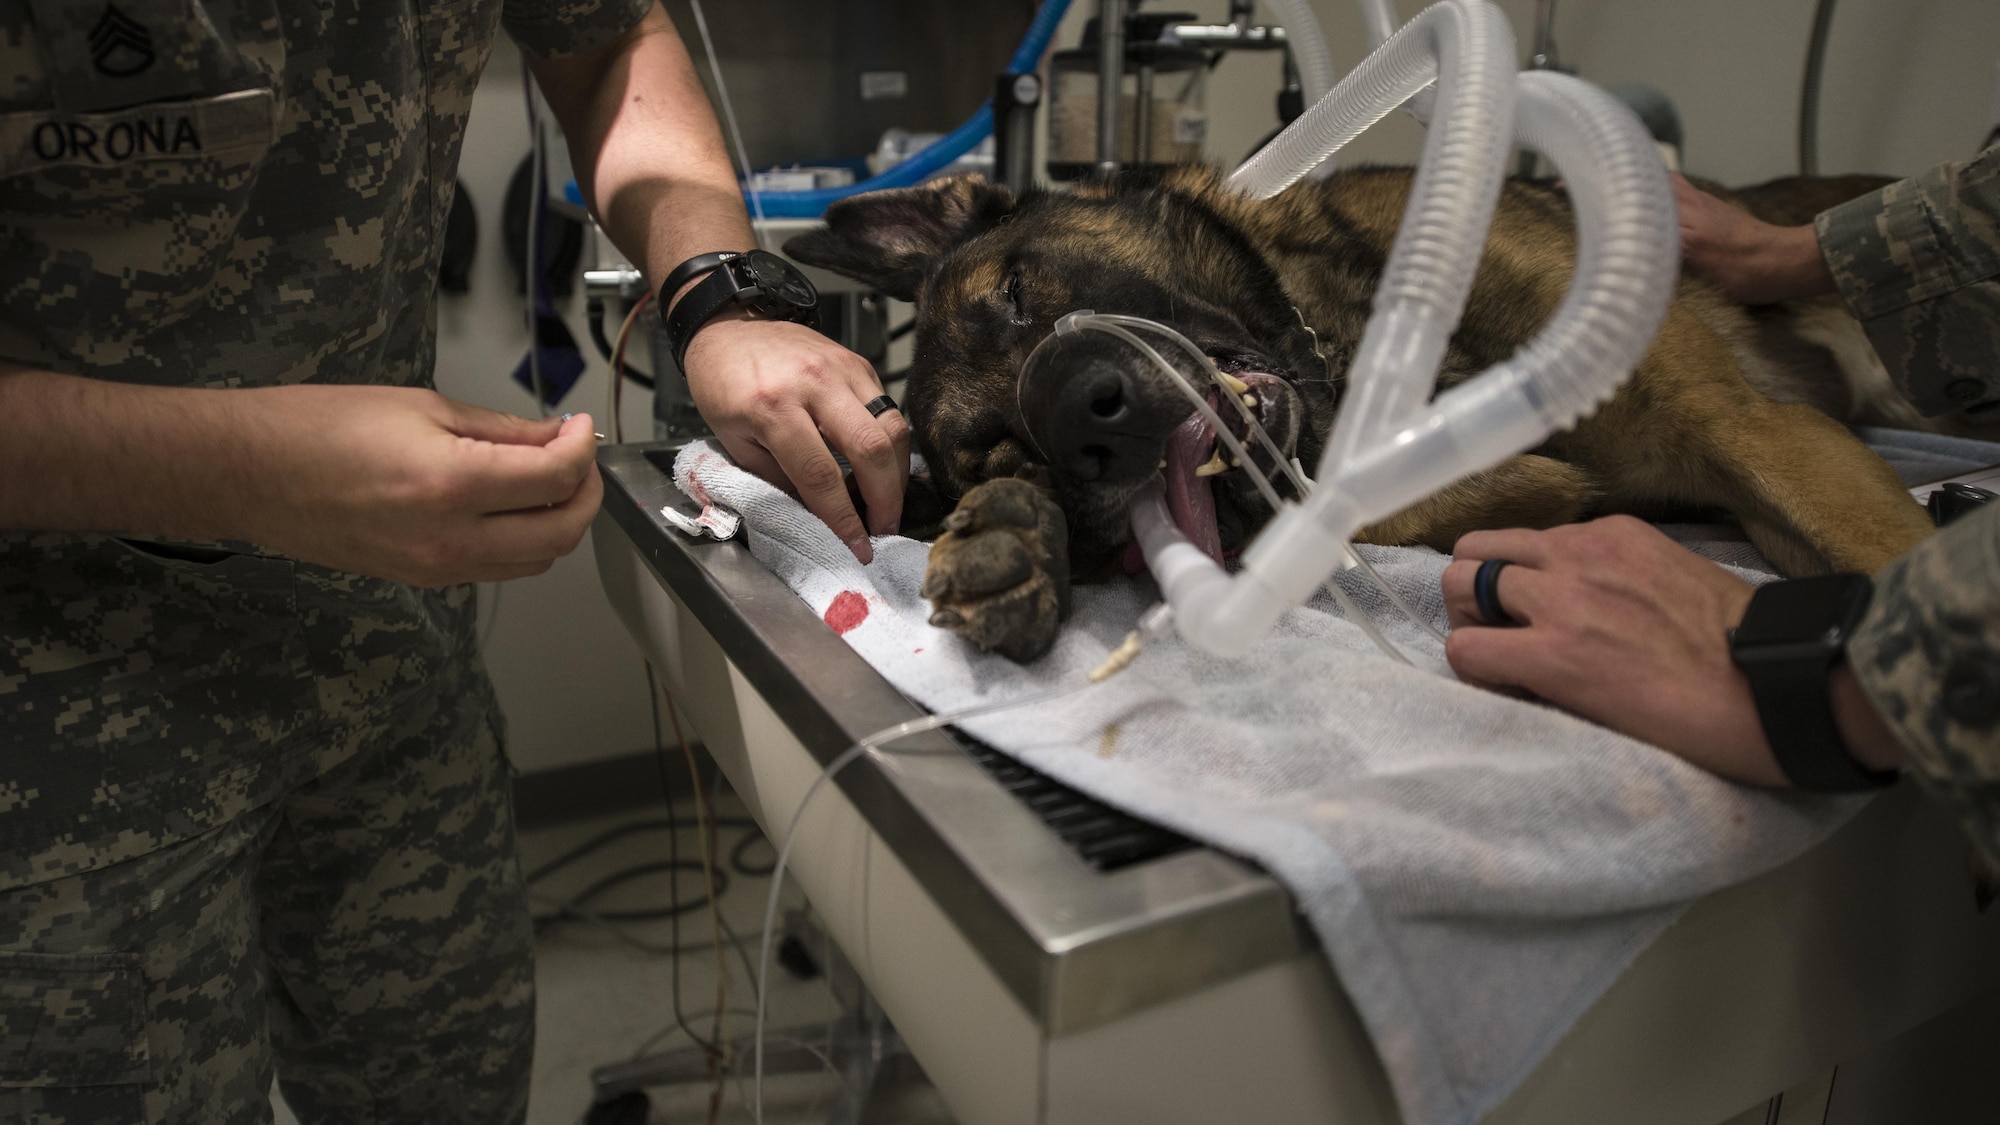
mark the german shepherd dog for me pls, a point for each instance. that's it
(1728, 412)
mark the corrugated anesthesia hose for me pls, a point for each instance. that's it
(1391, 449)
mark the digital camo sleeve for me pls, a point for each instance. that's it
(1928, 655)
(549, 29)
(1918, 263)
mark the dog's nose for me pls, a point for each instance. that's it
(1098, 415)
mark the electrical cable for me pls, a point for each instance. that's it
(593, 316)
(729, 115)
(673, 856)
(742, 866)
(617, 878)
(705, 834)
(538, 175)
(1152, 626)
(616, 392)
(1822, 28)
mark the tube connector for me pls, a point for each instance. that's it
(1224, 616)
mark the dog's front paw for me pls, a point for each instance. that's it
(999, 575)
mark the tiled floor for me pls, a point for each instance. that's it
(603, 999)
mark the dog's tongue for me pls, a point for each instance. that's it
(1190, 498)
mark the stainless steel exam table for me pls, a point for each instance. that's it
(1034, 984)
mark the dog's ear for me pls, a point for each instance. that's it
(890, 239)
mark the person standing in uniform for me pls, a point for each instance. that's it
(254, 814)
(1624, 626)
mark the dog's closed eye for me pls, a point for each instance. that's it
(1011, 290)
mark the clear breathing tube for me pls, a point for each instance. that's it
(1150, 517)
(1389, 449)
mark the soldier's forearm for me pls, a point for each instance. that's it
(646, 147)
(82, 454)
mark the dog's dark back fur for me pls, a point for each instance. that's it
(1284, 286)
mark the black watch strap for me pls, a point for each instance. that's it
(1796, 709)
(715, 293)
(758, 280)
(1792, 636)
(689, 270)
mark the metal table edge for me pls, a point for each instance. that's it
(1030, 954)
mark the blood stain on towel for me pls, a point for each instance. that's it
(848, 610)
(701, 495)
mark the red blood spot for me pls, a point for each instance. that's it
(701, 495)
(848, 610)
(916, 650)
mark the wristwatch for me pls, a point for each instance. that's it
(1792, 635)
(759, 280)
(692, 268)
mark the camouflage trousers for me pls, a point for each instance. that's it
(366, 935)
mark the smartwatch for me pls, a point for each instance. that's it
(1791, 637)
(758, 280)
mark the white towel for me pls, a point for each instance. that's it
(1478, 869)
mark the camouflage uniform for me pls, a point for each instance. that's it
(1928, 654)
(247, 805)
(1919, 263)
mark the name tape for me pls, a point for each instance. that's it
(176, 130)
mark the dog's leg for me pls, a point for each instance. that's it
(1525, 491)
(999, 575)
(1813, 498)
(1690, 430)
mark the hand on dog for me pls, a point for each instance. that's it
(1628, 628)
(1750, 260)
(777, 394)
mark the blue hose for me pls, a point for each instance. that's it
(939, 153)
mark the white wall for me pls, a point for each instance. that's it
(569, 677)
(1909, 83)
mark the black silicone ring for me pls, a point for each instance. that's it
(1486, 592)
(881, 404)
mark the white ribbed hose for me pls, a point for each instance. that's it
(1397, 451)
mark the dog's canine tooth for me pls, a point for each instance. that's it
(1236, 386)
(1250, 401)
(1214, 466)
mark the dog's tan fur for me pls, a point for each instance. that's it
(1690, 428)
(1715, 418)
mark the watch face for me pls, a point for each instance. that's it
(779, 279)
(1821, 610)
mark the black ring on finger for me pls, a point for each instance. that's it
(1486, 593)
(880, 405)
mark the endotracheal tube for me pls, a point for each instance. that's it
(1391, 445)
(1169, 555)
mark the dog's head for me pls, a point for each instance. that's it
(990, 274)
